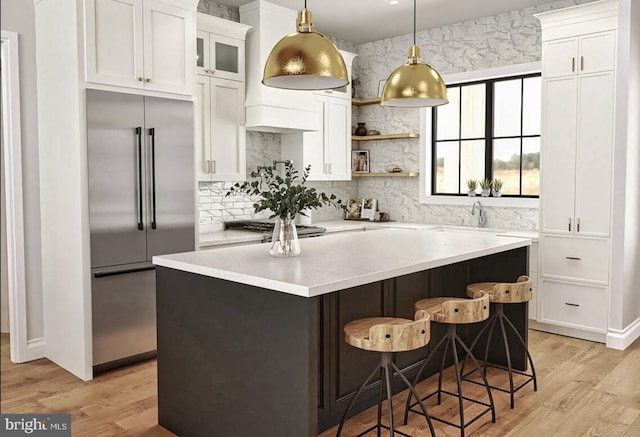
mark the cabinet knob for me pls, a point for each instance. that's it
(148, 80)
(581, 63)
(573, 64)
(569, 224)
(140, 79)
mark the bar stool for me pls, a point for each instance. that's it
(452, 312)
(501, 293)
(387, 335)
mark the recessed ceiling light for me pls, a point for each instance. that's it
(393, 2)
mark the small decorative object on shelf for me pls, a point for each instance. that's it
(360, 161)
(355, 83)
(485, 186)
(285, 196)
(353, 209)
(361, 130)
(393, 168)
(373, 132)
(497, 187)
(472, 184)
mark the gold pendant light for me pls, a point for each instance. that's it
(415, 84)
(305, 60)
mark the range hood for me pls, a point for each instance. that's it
(271, 109)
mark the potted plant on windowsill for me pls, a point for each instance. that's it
(497, 187)
(472, 184)
(485, 186)
(285, 196)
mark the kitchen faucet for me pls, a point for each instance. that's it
(482, 215)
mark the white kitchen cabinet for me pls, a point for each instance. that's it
(578, 122)
(220, 135)
(220, 138)
(220, 48)
(327, 151)
(141, 44)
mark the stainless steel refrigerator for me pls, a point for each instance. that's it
(141, 204)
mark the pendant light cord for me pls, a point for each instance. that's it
(414, 21)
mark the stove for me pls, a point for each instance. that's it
(266, 228)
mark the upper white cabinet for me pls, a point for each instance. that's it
(328, 150)
(577, 135)
(220, 135)
(142, 44)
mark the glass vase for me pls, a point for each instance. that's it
(285, 238)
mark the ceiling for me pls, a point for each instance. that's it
(360, 21)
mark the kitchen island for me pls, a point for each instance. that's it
(249, 344)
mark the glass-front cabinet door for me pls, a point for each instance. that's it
(220, 56)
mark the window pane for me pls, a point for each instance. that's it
(506, 164)
(472, 162)
(531, 109)
(199, 52)
(226, 57)
(448, 116)
(473, 110)
(531, 166)
(447, 162)
(506, 113)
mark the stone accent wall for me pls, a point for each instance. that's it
(505, 39)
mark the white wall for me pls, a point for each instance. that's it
(4, 285)
(631, 294)
(18, 16)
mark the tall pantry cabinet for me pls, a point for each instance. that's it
(578, 72)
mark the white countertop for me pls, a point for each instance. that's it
(342, 260)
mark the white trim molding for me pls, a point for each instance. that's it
(622, 338)
(20, 349)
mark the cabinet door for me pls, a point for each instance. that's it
(338, 138)
(228, 139)
(169, 48)
(597, 52)
(558, 154)
(114, 42)
(202, 128)
(594, 150)
(560, 57)
(226, 57)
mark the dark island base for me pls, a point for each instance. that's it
(238, 360)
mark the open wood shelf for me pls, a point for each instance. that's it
(361, 102)
(384, 137)
(404, 174)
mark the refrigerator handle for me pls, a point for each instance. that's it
(152, 132)
(140, 218)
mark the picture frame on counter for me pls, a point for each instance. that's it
(353, 209)
(360, 161)
(369, 208)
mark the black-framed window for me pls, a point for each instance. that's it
(489, 130)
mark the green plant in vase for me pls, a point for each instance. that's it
(472, 184)
(285, 196)
(485, 186)
(497, 187)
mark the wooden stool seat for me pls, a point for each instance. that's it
(454, 310)
(388, 334)
(504, 292)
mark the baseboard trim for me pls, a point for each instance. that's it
(35, 349)
(568, 332)
(622, 339)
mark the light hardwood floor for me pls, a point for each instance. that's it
(584, 389)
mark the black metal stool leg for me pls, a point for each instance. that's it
(508, 353)
(353, 400)
(412, 390)
(490, 323)
(484, 378)
(456, 366)
(417, 378)
(387, 357)
(486, 347)
(444, 359)
(380, 400)
(524, 345)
